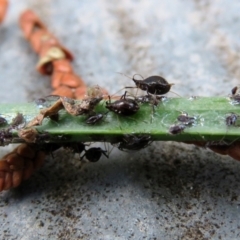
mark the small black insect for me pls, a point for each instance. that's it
(155, 85)
(134, 142)
(18, 122)
(176, 129)
(95, 118)
(231, 119)
(5, 136)
(235, 96)
(124, 106)
(94, 154)
(186, 120)
(3, 121)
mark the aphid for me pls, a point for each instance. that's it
(134, 142)
(124, 106)
(231, 119)
(155, 85)
(94, 154)
(186, 120)
(3, 121)
(235, 95)
(176, 129)
(18, 122)
(5, 136)
(95, 118)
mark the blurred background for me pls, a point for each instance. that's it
(166, 191)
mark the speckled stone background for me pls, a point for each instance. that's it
(167, 191)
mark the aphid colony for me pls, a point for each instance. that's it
(125, 106)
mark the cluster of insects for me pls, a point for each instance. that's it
(184, 121)
(55, 61)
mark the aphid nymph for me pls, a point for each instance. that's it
(186, 120)
(124, 106)
(176, 129)
(94, 154)
(231, 119)
(235, 96)
(3, 121)
(96, 118)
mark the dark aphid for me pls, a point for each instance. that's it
(235, 96)
(134, 142)
(176, 129)
(186, 120)
(94, 154)
(3, 121)
(231, 119)
(95, 118)
(124, 106)
(18, 122)
(155, 85)
(234, 90)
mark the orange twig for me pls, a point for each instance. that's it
(54, 58)
(3, 9)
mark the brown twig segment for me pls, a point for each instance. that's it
(19, 165)
(55, 61)
(3, 9)
(54, 58)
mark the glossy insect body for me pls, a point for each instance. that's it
(176, 129)
(235, 96)
(155, 85)
(95, 118)
(94, 154)
(2, 121)
(5, 136)
(186, 120)
(231, 119)
(124, 106)
(234, 90)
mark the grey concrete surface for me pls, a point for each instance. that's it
(167, 191)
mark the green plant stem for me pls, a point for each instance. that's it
(210, 124)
